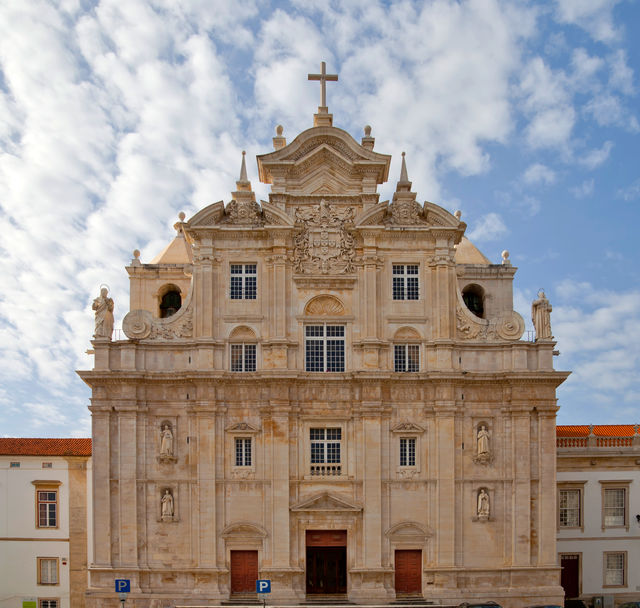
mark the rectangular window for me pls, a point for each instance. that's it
(614, 569)
(243, 357)
(614, 507)
(48, 603)
(47, 465)
(243, 281)
(569, 508)
(47, 508)
(14, 465)
(405, 281)
(47, 571)
(406, 357)
(407, 452)
(324, 348)
(325, 451)
(243, 451)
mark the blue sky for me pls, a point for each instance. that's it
(115, 116)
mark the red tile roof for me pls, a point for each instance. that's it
(599, 430)
(28, 446)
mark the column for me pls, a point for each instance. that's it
(521, 459)
(547, 487)
(206, 522)
(127, 486)
(101, 448)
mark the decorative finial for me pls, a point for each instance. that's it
(367, 130)
(279, 141)
(368, 141)
(505, 258)
(136, 254)
(243, 170)
(181, 216)
(458, 214)
(403, 171)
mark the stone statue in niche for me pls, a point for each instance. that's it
(103, 306)
(166, 442)
(167, 506)
(483, 504)
(541, 317)
(483, 453)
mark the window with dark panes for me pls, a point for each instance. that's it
(243, 281)
(405, 281)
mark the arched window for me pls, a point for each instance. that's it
(170, 303)
(473, 296)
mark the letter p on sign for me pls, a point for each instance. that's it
(263, 586)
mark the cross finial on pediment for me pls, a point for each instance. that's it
(323, 77)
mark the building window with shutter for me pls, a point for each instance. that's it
(243, 452)
(614, 505)
(406, 357)
(405, 284)
(243, 357)
(47, 508)
(615, 569)
(47, 571)
(326, 448)
(324, 348)
(244, 281)
(407, 451)
(570, 508)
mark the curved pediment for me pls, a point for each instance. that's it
(323, 160)
(408, 530)
(434, 215)
(242, 332)
(407, 333)
(324, 306)
(244, 529)
(373, 216)
(274, 216)
(209, 216)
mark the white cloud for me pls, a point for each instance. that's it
(631, 192)
(598, 334)
(490, 227)
(539, 174)
(594, 16)
(595, 158)
(584, 190)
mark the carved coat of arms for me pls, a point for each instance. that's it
(324, 243)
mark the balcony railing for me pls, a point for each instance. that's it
(325, 470)
(598, 441)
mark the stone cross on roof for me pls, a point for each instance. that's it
(323, 77)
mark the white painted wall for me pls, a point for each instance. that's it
(21, 542)
(593, 541)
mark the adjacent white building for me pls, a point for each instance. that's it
(598, 480)
(44, 506)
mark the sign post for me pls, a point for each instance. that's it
(123, 586)
(263, 586)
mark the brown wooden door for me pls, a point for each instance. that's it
(244, 571)
(570, 577)
(409, 571)
(326, 570)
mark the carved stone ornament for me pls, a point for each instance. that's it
(404, 213)
(324, 306)
(244, 212)
(509, 326)
(137, 324)
(323, 243)
(140, 325)
(181, 328)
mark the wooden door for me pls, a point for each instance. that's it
(326, 570)
(409, 572)
(244, 571)
(570, 577)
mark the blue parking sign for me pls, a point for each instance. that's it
(263, 586)
(123, 585)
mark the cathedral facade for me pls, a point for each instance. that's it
(327, 391)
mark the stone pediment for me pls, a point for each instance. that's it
(408, 531)
(323, 160)
(407, 427)
(242, 427)
(326, 502)
(209, 216)
(244, 529)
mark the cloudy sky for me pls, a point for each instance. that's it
(115, 116)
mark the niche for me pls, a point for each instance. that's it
(473, 296)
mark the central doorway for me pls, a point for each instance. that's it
(326, 561)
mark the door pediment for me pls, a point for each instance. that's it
(327, 502)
